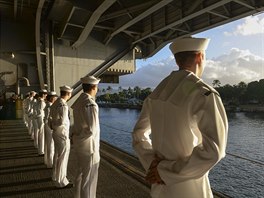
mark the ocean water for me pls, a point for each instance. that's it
(233, 176)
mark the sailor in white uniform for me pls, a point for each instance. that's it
(188, 126)
(86, 139)
(29, 112)
(40, 105)
(60, 124)
(49, 143)
(34, 120)
(25, 104)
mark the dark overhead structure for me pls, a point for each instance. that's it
(149, 24)
(99, 30)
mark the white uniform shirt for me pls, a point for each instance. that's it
(188, 127)
(86, 130)
(26, 104)
(59, 116)
(30, 107)
(47, 112)
(34, 108)
(40, 105)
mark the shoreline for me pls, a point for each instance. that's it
(245, 108)
(120, 106)
(241, 108)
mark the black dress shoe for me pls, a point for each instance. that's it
(69, 185)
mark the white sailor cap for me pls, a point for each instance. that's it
(90, 80)
(32, 92)
(43, 91)
(189, 44)
(66, 88)
(52, 93)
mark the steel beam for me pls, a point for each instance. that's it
(252, 12)
(37, 35)
(184, 19)
(102, 67)
(15, 9)
(218, 14)
(139, 17)
(244, 3)
(92, 21)
(66, 22)
(124, 11)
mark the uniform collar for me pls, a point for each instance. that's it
(89, 96)
(64, 101)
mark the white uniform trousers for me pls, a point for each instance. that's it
(41, 139)
(30, 126)
(25, 117)
(48, 147)
(87, 175)
(60, 161)
(35, 132)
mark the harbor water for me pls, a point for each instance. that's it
(240, 174)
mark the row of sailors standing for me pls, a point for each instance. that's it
(51, 137)
(59, 122)
(177, 155)
(52, 117)
(36, 113)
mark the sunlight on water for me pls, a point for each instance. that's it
(232, 176)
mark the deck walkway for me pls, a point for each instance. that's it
(23, 173)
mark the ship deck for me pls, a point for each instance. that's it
(23, 173)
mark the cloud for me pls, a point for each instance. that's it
(234, 67)
(252, 25)
(231, 68)
(149, 75)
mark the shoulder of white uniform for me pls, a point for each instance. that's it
(207, 89)
(58, 104)
(204, 88)
(157, 91)
(90, 102)
(61, 103)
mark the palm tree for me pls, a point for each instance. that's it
(130, 92)
(216, 83)
(137, 91)
(109, 89)
(120, 89)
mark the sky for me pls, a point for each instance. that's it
(235, 53)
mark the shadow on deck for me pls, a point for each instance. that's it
(23, 173)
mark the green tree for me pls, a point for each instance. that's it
(216, 83)
(252, 91)
(261, 92)
(115, 98)
(226, 92)
(137, 91)
(109, 89)
(107, 97)
(130, 93)
(145, 93)
(124, 93)
(240, 91)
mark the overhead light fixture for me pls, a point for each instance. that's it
(12, 55)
